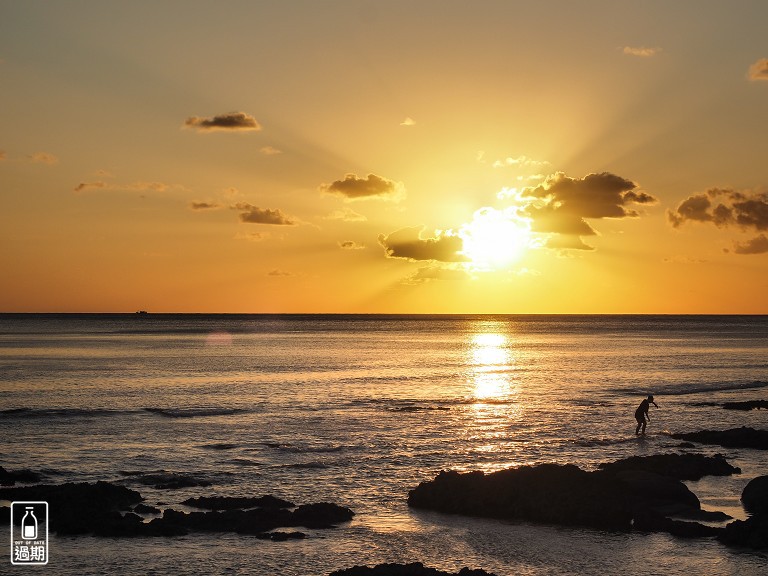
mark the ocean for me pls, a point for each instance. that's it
(357, 410)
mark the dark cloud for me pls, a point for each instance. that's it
(128, 187)
(90, 186)
(567, 242)
(353, 187)
(561, 205)
(351, 245)
(204, 206)
(603, 195)
(277, 272)
(723, 207)
(232, 121)
(255, 215)
(407, 243)
(43, 158)
(757, 245)
(759, 70)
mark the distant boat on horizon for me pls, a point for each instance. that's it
(142, 312)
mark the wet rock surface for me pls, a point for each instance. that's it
(413, 569)
(678, 466)
(743, 437)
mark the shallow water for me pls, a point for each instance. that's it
(359, 409)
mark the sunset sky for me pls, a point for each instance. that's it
(388, 156)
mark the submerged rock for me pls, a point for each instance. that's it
(413, 569)
(754, 497)
(679, 466)
(163, 480)
(743, 437)
(234, 503)
(747, 405)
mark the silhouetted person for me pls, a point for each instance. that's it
(641, 414)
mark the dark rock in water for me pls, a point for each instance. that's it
(281, 536)
(619, 498)
(748, 405)
(146, 509)
(321, 515)
(8, 478)
(750, 533)
(663, 494)
(234, 503)
(679, 466)
(743, 437)
(548, 493)
(5, 515)
(686, 445)
(163, 480)
(755, 495)
(414, 569)
(79, 508)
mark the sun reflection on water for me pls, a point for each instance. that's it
(491, 360)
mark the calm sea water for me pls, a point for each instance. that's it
(359, 409)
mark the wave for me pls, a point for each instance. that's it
(219, 446)
(595, 442)
(306, 465)
(692, 388)
(193, 412)
(62, 412)
(299, 449)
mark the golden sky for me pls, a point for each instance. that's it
(399, 156)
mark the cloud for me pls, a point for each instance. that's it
(408, 121)
(435, 273)
(346, 215)
(3, 155)
(723, 207)
(407, 243)
(90, 186)
(44, 158)
(252, 236)
(351, 245)
(640, 51)
(204, 206)
(232, 121)
(255, 215)
(757, 245)
(519, 161)
(567, 242)
(562, 205)
(130, 187)
(353, 187)
(759, 70)
(270, 151)
(277, 272)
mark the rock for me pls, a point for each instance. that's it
(5, 515)
(79, 508)
(755, 495)
(548, 493)
(750, 533)
(145, 509)
(748, 405)
(743, 437)
(163, 480)
(233, 503)
(663, 494)
(281, 536)
(414, 569)
(686, 445)
(615, 498)
(8, 478)
(321, 515)
(679, 466)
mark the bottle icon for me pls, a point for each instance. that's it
(29, 525)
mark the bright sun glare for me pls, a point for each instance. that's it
(495, 239)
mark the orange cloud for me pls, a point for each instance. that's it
(255, 215)
(353, 187)
(759, 70)
(407, 243)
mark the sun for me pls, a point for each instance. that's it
(495, 238)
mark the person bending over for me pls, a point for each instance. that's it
(641, 414)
